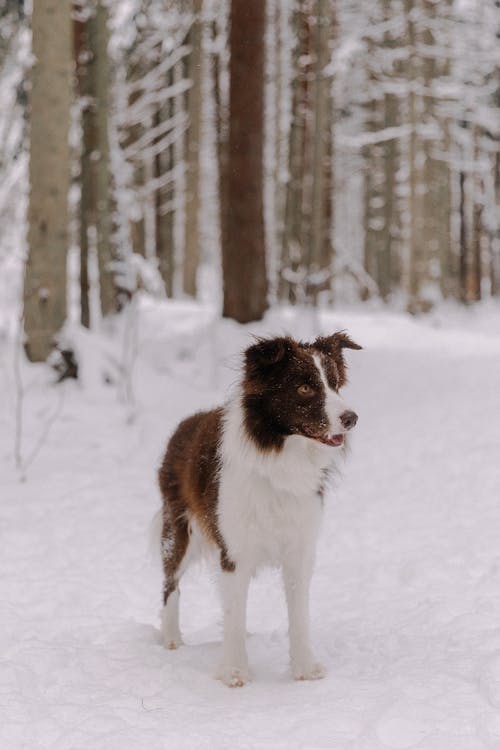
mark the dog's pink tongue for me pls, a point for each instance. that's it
(336, 440)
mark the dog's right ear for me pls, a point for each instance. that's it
(268, 352)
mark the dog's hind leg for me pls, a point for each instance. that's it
(174, 543)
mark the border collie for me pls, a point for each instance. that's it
(246, 481)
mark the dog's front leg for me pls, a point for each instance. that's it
(234, 671)
(297, 573)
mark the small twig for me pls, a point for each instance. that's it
(48, 425)
(23, 465)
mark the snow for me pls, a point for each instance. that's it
(406, 594)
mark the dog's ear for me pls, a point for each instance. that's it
(337, 341)
(344, 341)
(268, 352)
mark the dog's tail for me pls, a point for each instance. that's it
(155, 532)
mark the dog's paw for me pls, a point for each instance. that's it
(234, 676)
(308, 670)
(172, 643)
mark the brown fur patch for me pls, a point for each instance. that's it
(189, 486)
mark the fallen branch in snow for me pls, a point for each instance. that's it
(22, 465)
(43, 436)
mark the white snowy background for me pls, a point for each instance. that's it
(406, 593)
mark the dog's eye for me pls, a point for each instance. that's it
(305, 390)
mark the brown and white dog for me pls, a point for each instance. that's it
(246, 481)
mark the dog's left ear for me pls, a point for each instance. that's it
(339, 340)
(268, 352)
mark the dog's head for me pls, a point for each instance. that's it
(292, 388)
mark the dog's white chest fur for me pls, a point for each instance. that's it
(269, 504)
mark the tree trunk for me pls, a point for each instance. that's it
(193, 136)
(436, 234)
(81, 46)
(476, 264)
(441, 189)
(139, 64)
(99, 80)
(134, 132)
(416, 260)
(243, 252)
(389, 261)
(375, 174)
(463, 238)
(164, 198)
(293, 241)
(221, 123)
(278, 140)
(49, 174)
(321, 253)
(470, 212)
(388, 267)
(95, 173)
(307, 237)
(477, 268)
(495, 239)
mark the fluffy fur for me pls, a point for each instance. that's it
(246, 481)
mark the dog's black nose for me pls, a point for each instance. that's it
(349, 419)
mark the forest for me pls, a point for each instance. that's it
(177, 179)
(253, 155)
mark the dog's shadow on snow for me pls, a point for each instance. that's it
(201, 653)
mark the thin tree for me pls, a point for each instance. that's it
(321, 247)
(137, 65)
(99, 86)
(495, 239)
(49, 174)
(193, 135)
(219, 74)
(436, 237)
(81, 57)
(307, 252)
(382, 153)
(243, 247)
(416, 254)
(164, 161)
(375, 246)
(96, 205)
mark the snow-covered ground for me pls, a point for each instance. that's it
(406, 594)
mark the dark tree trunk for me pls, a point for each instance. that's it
(243, 251)
(96, 205)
